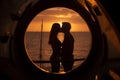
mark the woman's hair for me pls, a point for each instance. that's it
(54, 30)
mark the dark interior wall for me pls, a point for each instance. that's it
(112, 8)
(7, 9)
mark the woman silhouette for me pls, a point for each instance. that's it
(67, 47)
(56, 47)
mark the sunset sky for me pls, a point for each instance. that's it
(57, 14)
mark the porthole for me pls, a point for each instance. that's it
(33, 59)
(38, 32)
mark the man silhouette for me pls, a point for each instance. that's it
(67, 58)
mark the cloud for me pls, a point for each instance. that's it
(58, 12)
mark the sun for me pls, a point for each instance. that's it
(60, 24)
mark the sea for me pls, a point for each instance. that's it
(38, 49)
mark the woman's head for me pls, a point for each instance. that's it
(55, 28)
(53, 33)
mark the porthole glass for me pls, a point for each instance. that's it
(38, 32)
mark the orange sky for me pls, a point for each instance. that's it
(57, 14)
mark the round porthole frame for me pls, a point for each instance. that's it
(86, 69)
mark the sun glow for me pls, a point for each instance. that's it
(60, 24)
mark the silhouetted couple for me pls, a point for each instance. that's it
(62, 43)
